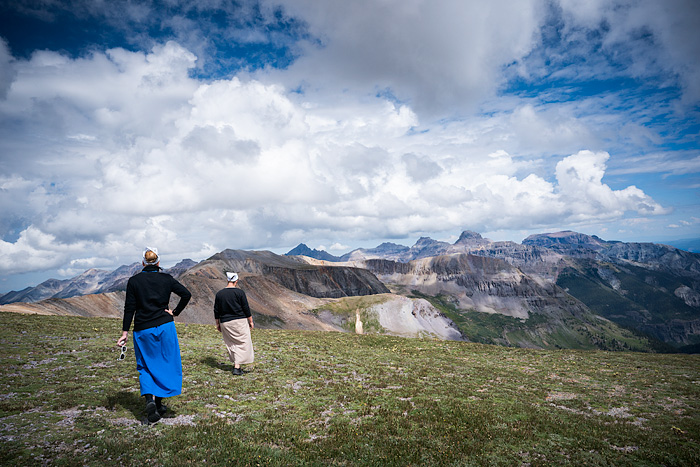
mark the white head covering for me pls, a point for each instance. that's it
(154, 250)
(232, 276)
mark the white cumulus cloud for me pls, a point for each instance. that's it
(389, 123)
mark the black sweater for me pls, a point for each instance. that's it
(229, 304)
(147, 298)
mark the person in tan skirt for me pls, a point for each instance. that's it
(234, 321)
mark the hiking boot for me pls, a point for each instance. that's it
(237, 371)
(152, 412)
(162, 409)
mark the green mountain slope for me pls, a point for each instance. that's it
(562, 331)
(634, 297)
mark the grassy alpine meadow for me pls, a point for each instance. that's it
(319, 398)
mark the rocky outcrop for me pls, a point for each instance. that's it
(472, 239)
(688, 295)
(657, 257)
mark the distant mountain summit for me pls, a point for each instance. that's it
(46, 289)
(566, 240)
(471, 238)
(426, 247)
(92, 281)
(303, 250)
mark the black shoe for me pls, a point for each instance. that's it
(162, 409)
(152, 412)
(237, 371)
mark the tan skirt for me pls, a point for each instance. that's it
(236, 334)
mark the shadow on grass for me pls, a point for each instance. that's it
(132, 402)
(135, 404)
(214, 363)
(227, 367)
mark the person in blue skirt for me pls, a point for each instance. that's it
(156, 346)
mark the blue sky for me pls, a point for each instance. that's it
(199, 126)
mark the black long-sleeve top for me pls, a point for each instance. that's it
(147, 298)
(230, 303)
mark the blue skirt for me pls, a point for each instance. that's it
(158, 360)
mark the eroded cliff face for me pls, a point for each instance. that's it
(481, 283)
(655, 257)
(326, 282)
(292, 273)
(689, 296)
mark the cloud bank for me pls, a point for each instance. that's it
(393, 120)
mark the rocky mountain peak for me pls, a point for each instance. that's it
(391, 247)
(181, 267)
(303, 250)
(469, 237)
(424, 241)
(426, 246)
(300, 249)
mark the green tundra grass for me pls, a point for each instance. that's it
(315, 398)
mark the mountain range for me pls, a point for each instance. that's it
(555, 290)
